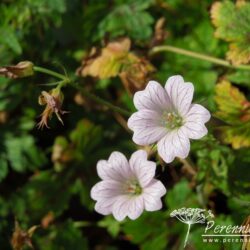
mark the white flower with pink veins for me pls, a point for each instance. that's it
(127, 187)
(168, 117)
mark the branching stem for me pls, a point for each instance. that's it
(65, 80)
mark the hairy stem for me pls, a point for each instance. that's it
(197, 55)
(102, 101)
(49, 72)
(66, 80)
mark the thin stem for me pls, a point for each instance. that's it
(66, 80)
(79, 224)
(188, 165)
(102, 101)
(197, 55)
(186, 238)
(49, 72)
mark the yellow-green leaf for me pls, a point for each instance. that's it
(234, 110)
(232, 25)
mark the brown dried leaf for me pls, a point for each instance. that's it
(160, 33)
(136, 75)
(47, 219)
(108, 63)
(21, 238)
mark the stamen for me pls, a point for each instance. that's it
(171, 120)
(133, 188)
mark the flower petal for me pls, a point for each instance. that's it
(152, 203)
(121, 207)
(147, 127)
(194, 130)
(135, 207)
(174, 144)
(152, 194)
(143, 169)
(104, 206)
(198, 113)
(105, 189)
(119, 163)
(155, 188)
(153, 97)
(107, 171)
(180, 93)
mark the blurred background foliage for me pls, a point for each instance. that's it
(46, 175)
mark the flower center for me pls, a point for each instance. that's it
(172, 120)
(133, 188)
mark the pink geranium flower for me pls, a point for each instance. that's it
(127, 187)
(168, 117)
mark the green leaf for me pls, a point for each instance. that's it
(22, 153)
(234, 109)
(128, 19)
(232, 25)
(3, 167)
(241, 77)
(148, 230)
(112, 225)
(9, 39)
(180, 195)
(64, 236)
(159, 242)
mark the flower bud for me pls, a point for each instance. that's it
(22, 69)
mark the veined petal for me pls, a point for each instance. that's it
(104, 206)
(105, 189)
(197, 113)
(143, 169)
(135, 207)
(174, 144)
(194, 130)
(180, 93)
(152, 203)
(147, 127)
(144, 118)
(108, 171)
(153, 97)
(155, 188)
(120, 207)
(119, 163)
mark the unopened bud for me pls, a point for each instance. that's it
(22, 69)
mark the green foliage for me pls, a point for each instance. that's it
(232, 25)
(113, 226)
(234, 109)
(140, 233)
(46, 175)
(23, 154)
(63, 236)
(130, 19)
(180, 196)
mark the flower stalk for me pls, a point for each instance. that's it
(49, 72)
(66, 80)
(197, 55)
(102, 101)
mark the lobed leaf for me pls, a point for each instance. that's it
(234, 110)
(232, 25)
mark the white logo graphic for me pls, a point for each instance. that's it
(192, 216)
